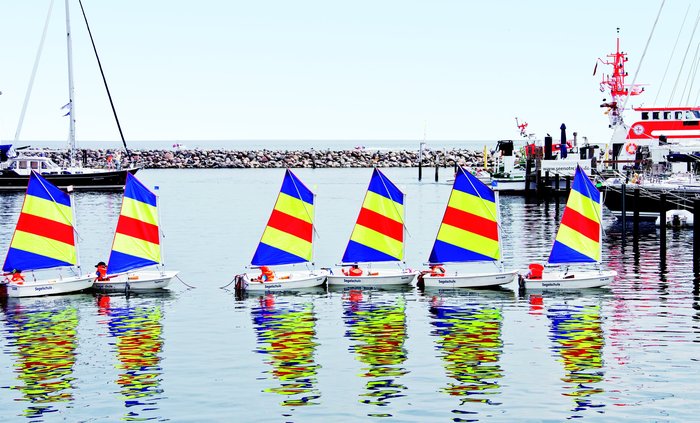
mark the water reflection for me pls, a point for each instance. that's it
(286, 335)
(379, 331)
(578, 339)
(42, 338)
(138, 342)
(469, 342)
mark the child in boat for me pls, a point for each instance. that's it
(437, 270)
(353, 271)
(101, 271)
(266, 274)
(17, 276)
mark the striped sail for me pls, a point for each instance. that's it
(578, 238)
(378, 232)
(136, 240)
(288, 236)
(469, 228)
(44, 236)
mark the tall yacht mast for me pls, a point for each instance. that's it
(71, 90)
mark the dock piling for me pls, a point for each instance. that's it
(623, 216)
(662, 226)
(635, 208)
(696, 238)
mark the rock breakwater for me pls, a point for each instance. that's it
(208, 159)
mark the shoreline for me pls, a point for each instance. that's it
(232, 159)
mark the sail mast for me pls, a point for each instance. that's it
(75, 230)
(71, 90)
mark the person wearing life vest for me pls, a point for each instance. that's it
(437, 270)
(101, 271)
(266, 274)
(17, 276)
(353, 271)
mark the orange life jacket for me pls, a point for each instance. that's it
(355, 271)
(267, 275)
(17, 277)
(101, 273)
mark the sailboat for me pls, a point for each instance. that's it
(17, 164)
(378, 236)
(44, 238)
(578, 242)
(136, 244)
(469, 233)
(287, 240)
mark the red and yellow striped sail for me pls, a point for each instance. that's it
(288, 236)
(44, 236)
(378, 232)
(578, 238)
(469, 228)
(137, 239)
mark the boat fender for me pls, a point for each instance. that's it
(631, 148)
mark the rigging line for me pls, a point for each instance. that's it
(692, 74)
(680, 71)
(393, 203)
(34, 70)
(639, 66)
(104, 79)
(672, 53)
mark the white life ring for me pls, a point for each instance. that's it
(631, 148)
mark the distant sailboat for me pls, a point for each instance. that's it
(44, 238)
(136, 244)
(578, 242)
(378, 236)
(469, 233)
(286, 240)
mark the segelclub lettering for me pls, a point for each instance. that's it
(43, 288)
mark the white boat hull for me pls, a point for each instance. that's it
(32, 288)
(469, 280)
(378, 277)
(285, 281)
(138, 281)
(676, 219)
(573, 280)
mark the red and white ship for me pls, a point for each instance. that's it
(665, 137)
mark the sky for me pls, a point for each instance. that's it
(333, 70)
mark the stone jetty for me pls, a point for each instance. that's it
(208, 159)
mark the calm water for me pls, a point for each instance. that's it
(627, 352)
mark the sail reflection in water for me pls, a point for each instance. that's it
(139, 344)
(578, 337)
(45, 340)
(286, 334)
(379, 332)
(469, 342)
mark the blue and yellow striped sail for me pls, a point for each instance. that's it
(469, 228)
(44, 237)
(578, 238)
(288, 236)
(137, 239)
(378, 232)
